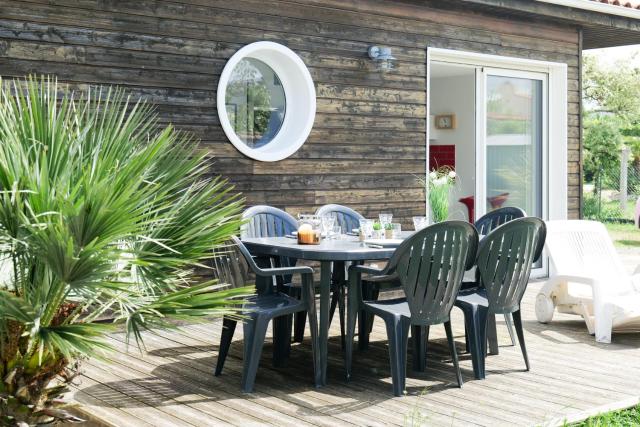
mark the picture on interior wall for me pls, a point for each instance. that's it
(446, 121)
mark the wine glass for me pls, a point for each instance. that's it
(397, 229)
(385, 218)
(419, 222)
(328, 222)
(366, 227)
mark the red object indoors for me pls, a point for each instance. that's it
(497, 201)
(442, 155)
(469, 202)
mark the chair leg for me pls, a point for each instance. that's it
(375, 293)
(363, 320)
(475, 320)
(228, 328)
(299, 323)
(517, 322)
(420, 337)
(509, 323)
(454, 354)
(492, 334)
(398, 333)
(341, 312)
(282, 326)
(255, 331)
(466, 339)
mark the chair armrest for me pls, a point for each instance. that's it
(636, 272)
(367, 270)
(281, 271)
(374, 274)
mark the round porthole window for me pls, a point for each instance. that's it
(266, 101)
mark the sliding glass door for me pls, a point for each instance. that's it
(511, 141)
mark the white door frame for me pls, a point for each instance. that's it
(556, 156)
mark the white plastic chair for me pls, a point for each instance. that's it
(589, 279)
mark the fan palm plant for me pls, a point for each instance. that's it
(104, 214)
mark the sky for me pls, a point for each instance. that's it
(610, 55)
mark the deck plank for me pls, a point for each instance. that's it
(172, 383)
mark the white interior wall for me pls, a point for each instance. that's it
(456, 94)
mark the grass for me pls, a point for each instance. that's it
(624, 418)
(624, 235)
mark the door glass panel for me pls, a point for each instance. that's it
(514, 144)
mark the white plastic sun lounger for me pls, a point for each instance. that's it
(589, 279)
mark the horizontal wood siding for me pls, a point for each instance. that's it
(368, 141)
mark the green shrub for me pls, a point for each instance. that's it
(603, 211)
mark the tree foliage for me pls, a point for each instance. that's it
(103, 214)
(602, 144)
(611, 100)
(614, 90)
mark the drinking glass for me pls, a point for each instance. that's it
(397, 228)
(366, 227)
(419, 222)
(385, 218)
(337, 232)
(328, 222)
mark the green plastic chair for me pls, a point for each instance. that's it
(429, 266)
(233, 265)
(485, 225)
(505, 259)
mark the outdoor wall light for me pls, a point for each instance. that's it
(382, 55)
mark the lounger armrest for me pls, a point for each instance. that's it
(563, 278)
(555, 280)
(281, 271)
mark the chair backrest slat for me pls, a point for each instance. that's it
(230, 266)
(346, 218)
(505, 259)
(583, 248)
(267, 221)
(430, 265)
(496, 218)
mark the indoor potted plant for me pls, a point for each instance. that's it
(438, 184)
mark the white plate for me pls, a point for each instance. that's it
(384, 242)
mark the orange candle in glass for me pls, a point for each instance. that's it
(307, 235)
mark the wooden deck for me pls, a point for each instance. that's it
(172, 383)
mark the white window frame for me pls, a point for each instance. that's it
(300, 98)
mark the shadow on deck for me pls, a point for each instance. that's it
(173, 383)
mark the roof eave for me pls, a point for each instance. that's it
(594, 6)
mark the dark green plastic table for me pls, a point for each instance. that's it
(346, 249)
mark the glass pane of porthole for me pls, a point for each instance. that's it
(255, 102)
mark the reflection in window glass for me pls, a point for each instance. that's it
(514, 143)
(255, 102)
